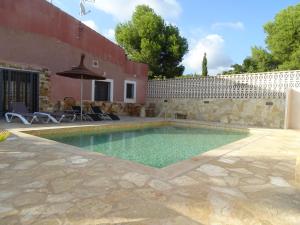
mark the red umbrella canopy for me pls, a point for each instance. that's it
(81, 72)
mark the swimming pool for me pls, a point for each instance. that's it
(155, 146)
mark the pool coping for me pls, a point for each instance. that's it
(168, 172)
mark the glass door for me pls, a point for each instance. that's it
(18, 86)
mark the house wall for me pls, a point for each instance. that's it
(34, 33)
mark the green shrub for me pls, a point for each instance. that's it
(3, 135)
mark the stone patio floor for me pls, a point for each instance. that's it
(48, 183)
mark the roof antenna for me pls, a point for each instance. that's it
(83, 11)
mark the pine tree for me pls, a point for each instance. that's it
(204, 66)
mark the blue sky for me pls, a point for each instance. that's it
(225, 29)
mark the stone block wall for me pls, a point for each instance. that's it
(44, 91)
(268, 113)
(120, 108)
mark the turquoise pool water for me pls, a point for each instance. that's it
(156, 147)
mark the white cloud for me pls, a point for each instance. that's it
(213, 46)
(91, 24)
(123, 9)
(110, 34)
(232, 25)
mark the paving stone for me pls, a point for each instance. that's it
(220, 205)
(213, 170)
(78, 160)
(136, 178)
(184, 181)
(228, 160)
(279, 181)
(253, 180)
(197, 211)
(10, 220)
(6, 194)
(150, 194)
(256, 187)
(30, 198)
(94, 208)
(49, 221)
(126, 184)
(217, 181)
(58, 162)
(29, 214)
(64, 184)
(229, 191)
(159, 185)
(23, 165)
(100, 182)
(58, 208)
(35, 184)
(63, 197)
(231, 180)
(3, 165)
(23, 155)
(260, 165)
(240, 170)
(7, 210)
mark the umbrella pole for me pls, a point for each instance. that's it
(81, 93)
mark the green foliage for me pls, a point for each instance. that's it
(204, 66)
(249, 66)
(283, 45)
(4, 135)
(283, 37)
(264, 60)
(146, 38)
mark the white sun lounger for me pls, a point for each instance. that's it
(20, 111)
(48, 116)
(9, 116)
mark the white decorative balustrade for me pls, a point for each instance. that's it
(267, 85)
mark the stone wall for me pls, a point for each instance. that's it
(119, 108)
(246, 112)
(44, 91)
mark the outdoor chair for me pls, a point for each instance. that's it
(105, 115)
(19, 110)
(64, 116)
(85, 115)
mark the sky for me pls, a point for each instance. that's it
(224, 29)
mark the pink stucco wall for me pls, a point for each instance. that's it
(35, 33)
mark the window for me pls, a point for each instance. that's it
(102, 90)
(130, 91)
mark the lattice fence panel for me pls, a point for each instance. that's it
(256, 85)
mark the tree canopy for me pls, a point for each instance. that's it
(282, 42)
(204, 66)
(148, 39)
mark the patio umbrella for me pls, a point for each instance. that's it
(82, 73)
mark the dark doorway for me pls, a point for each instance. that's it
(18, 86)
(102, 91)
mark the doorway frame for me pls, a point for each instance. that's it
(111, 94)
(37, 91)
